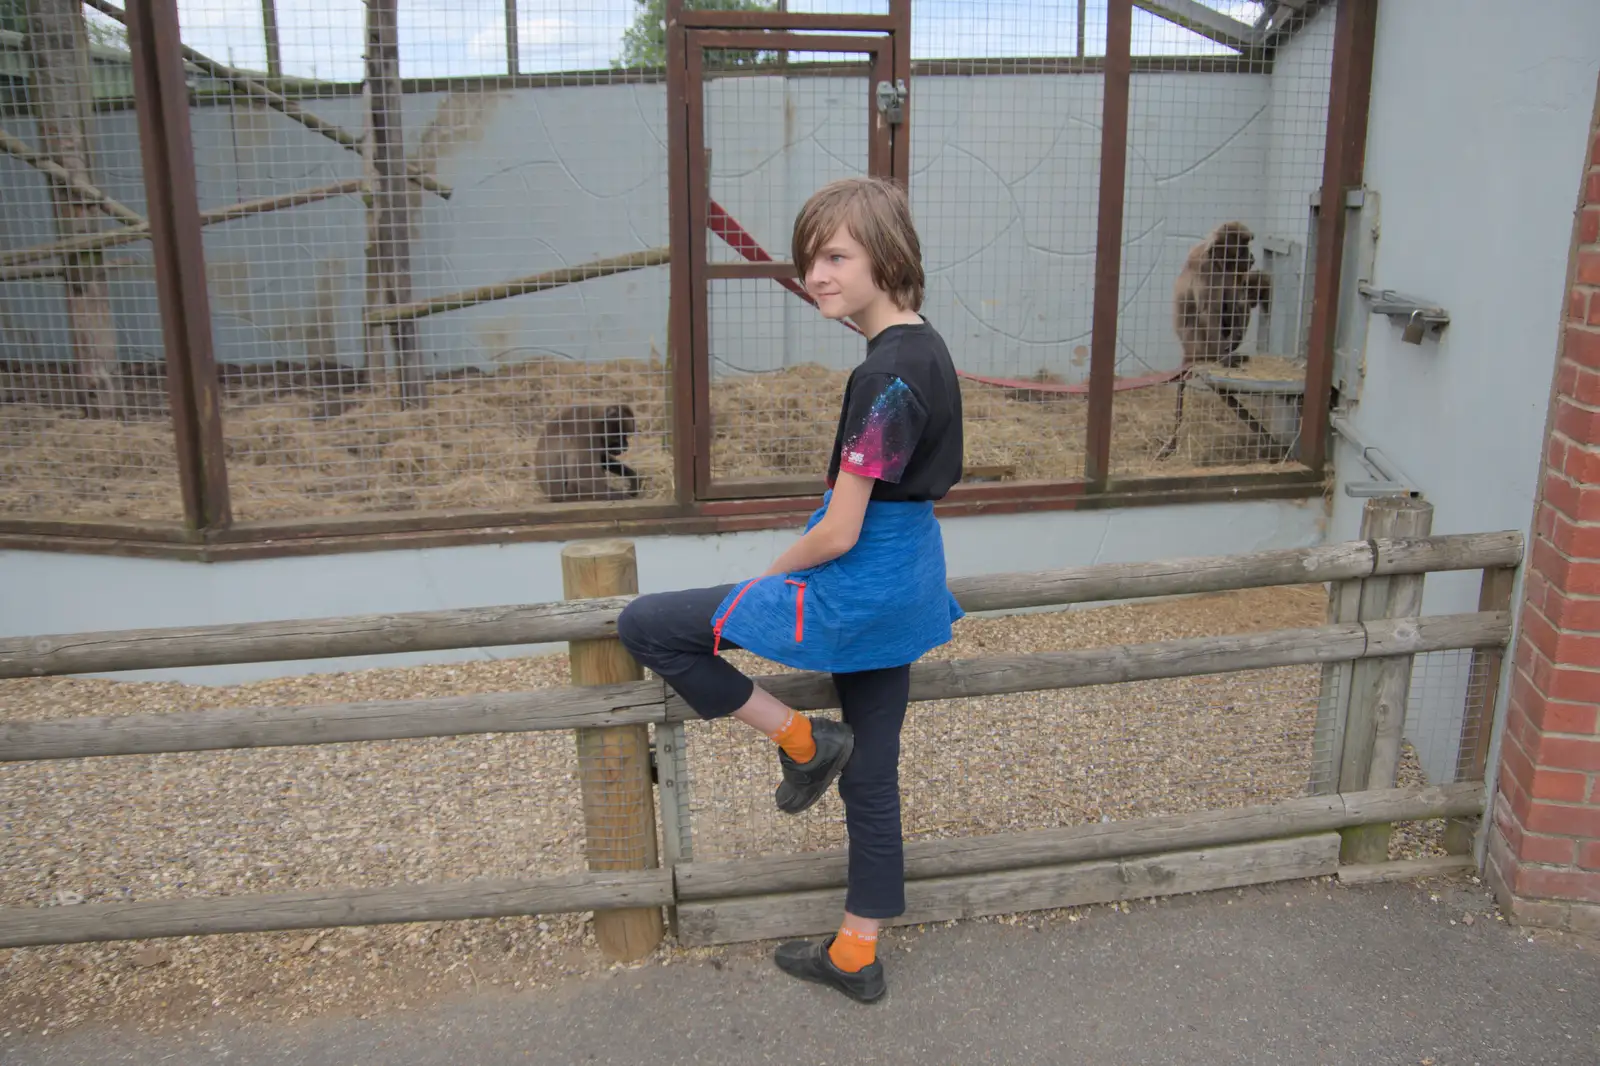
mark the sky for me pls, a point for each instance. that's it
(440, 38)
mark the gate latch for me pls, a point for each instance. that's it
(892, 100)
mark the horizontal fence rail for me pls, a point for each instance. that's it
(323, 908)
(484, 627)
(926, 859)
(940, 876)
(646, 701)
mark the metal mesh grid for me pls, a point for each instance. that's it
(510, 371)
(1005, 164)
(412, 319)
(1224, 153)
(1077, 756)
(85, 429)
(777, 366)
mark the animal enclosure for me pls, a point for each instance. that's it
(402, 260)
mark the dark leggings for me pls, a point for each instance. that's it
(670, 633)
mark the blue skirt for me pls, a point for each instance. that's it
(882, 603)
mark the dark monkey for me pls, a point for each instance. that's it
(579, 448)
(1211, 303)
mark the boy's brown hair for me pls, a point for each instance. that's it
(878, 215)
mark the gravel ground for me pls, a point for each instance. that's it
(279, 819)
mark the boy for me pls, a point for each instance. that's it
(862, 593)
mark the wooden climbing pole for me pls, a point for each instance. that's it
(58, 40)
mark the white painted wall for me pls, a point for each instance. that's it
(1475, 145)
(46, 592)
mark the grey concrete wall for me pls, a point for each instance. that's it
(1004, 183)
(1476, 143)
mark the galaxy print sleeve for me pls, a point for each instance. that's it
(883, 423)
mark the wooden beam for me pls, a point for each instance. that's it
(129, 234)
(1036, 888)
(1404, 869)
(639, 702)
(502, 626)
(58, 44)
(619, 813)
(333, 907)
(390, 216)
(16, 147)
(1207, 22)
(1376, 711)
(249, 86)
(632, 703)
(500, 290)
(1108, 242)
(1191, 657)
(924, 859)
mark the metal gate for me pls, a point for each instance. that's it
(767, 108)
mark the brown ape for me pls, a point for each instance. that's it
(579, 448)
(1211, 303)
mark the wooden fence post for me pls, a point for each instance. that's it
(1472, 757)
(1376, 717)
(613, 761)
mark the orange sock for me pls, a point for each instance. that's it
(795, 738)
(852, 951)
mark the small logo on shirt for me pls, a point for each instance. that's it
(857, 459)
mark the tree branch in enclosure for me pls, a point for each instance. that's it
(282, 104)
(10, 270)
(58, 40)
(390, 217)
(549, 279)
(16, 147)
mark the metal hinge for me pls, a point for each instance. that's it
(892, 101)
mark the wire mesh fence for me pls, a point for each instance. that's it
(85, 425)
(1224, 156)
(436, 247)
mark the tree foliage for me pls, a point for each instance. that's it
(102, 31)
(644, 44)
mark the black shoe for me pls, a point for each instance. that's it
(804, 783)
(809, 961)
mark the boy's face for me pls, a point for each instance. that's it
(840, 278)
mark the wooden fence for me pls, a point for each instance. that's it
(1366, 649)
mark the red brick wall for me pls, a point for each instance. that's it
(1544, 840)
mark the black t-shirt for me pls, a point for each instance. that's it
(900, 421)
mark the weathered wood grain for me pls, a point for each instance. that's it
(332, 723)
(483, 627)
(1036, 888)
(325, 908)
(1189, 657)
(926, 859)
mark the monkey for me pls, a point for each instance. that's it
(1211, 304)
(579, 448)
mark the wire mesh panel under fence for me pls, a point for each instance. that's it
(1226, 129)
(1005, 157)
(85, 424)
(1449, 708)
(436, 260)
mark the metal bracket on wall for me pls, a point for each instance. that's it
(1419, 315)
(1390, 480)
